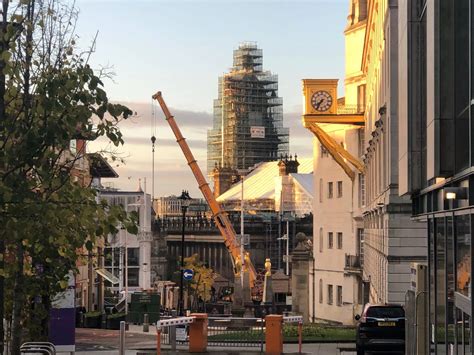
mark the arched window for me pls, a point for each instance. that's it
(320, 290)
(321, 241)
(320, 190)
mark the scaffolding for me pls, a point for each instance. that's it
(248, 115)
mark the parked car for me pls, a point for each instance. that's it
(381, 327)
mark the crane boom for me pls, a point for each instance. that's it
(220, 217)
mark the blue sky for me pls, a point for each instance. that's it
(181, 47)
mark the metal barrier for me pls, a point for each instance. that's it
(38, 348)
(166, 331)
(299, 320)
(236, 332)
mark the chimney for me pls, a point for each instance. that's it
(288, 165)
(223, 179)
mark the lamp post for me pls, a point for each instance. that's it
(185, 201)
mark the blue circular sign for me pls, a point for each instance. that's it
(188, 274)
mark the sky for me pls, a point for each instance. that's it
(180, 47)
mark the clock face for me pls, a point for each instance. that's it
(321, 101)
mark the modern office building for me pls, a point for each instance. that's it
(435, 69)
(248, 115)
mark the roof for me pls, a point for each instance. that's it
(305, 181)
(260, 183)
(100, 168)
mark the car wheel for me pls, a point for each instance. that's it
(360, 351)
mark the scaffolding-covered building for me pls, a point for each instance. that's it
(248, 115)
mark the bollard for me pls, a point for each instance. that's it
(146, 324)
(158, 341)
(198, 333)
(300, 337)
(274, 334)
(122, 338)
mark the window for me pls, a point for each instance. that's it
(360, 244)
(339, 240)
(330, 294)
(339, 296)
(73, 146)
(321, 239)
(361, 190)
(463, 255)
(339, 189)
(330, 240)
(320, 190)
(361, 98)
(324, 152)
(320, 290)
(330, 189)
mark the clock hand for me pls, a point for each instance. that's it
(319, 103)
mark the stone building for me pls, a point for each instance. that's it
(358, 136)
(392, 240)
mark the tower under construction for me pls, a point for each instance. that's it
(248, 115)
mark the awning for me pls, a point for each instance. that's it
(108, 276)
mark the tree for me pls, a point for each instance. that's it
(49, 95)
(203, 279)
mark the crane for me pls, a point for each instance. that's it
(220, 217)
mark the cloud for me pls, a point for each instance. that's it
(172, 174)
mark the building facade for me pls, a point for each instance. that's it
(248, 115)
(170, 206)
(392, 240)
(128, 256)
(436, 161)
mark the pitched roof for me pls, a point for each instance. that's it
(305, 181)
(260, 183)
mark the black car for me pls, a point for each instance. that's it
(381, 327)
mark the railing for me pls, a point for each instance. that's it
(167, 330)
(38, 348)
(353, 262)
(236, 332)
(350, 110)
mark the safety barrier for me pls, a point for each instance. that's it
(38, 348)
(230, 332)
(299, 320)
(236, 332)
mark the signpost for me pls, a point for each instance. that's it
(188, 274)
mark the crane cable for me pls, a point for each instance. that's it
(153, 140)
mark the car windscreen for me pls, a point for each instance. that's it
(385, 312)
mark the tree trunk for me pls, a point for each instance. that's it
(18, 302)
(3, 46)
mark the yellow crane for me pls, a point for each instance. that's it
(220, 217)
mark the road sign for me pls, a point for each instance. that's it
(188, 274)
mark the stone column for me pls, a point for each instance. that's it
(144, 241)
(302, 257)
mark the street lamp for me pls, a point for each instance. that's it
(287, 256)
(185, 202)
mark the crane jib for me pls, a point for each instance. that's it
(223, 223)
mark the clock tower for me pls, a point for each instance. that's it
(320, 96)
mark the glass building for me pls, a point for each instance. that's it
(436, 160)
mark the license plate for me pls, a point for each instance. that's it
(386, 324)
